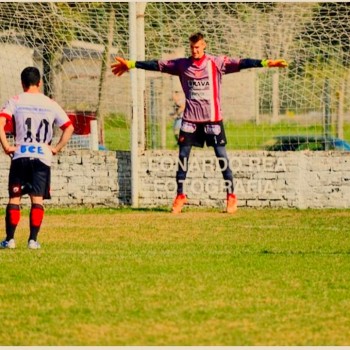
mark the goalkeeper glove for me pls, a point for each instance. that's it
(281, 63)
(122, 66)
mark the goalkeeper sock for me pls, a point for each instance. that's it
(13, 215)
(36, 218)
(221, 154)
(181, 173)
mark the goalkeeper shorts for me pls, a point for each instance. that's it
(197, 134)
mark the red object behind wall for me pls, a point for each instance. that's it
(81, 121)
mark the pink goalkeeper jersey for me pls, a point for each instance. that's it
(201, 83)
(34, 115)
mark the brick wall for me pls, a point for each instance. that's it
(262, 179)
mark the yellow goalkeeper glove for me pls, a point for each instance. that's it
(281, 63)
(122, 66)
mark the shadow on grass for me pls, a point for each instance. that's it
(299, 252)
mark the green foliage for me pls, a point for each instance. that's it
(108, 277)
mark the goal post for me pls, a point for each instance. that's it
(135, 116)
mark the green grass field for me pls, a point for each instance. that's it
(243, 136)
(147, 277)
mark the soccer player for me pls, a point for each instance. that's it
(33, 115)
(200, 77)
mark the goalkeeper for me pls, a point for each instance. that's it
(200, 77)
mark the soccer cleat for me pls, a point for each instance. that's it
(179, 202)
(231, 207)
(33, 244)
(8, 244)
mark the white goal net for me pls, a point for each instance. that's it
(74, 43)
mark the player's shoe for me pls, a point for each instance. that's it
(8, 244)
(179, 202)
(33, 244)
(231, 206)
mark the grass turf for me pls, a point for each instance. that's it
(240, 136)
(147, 277)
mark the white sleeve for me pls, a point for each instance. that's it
(61, 116)
(9, 107)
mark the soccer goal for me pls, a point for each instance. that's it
(74, 43)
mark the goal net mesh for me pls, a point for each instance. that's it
(74, 43)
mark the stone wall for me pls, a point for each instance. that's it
(83, 178)
(262, 179)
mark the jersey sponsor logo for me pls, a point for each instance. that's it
(199, 89)
(32, 109)
(34, 151)
(198, 83)
(200, 95)
(31, 150)
(190, 128)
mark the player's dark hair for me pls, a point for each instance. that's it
(196, 37)
(30, 76)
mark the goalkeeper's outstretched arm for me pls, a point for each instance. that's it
(121, 65)
(252, 63)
